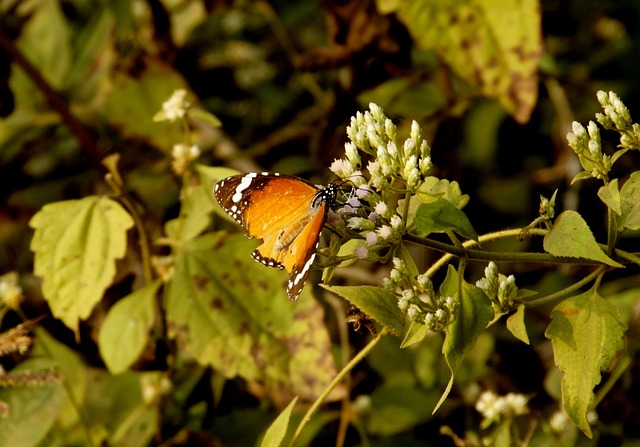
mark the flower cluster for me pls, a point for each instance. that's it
(174, 108)
(418, 299)
(374, 134)
(587, 145)
(10, 291)
(493, 407)
(154, 387)
(182, 156)
(392, 168)
(501, 290)
(617, 117)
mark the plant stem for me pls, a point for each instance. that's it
(348, 367)
(484, 255)
(568, 290)
(345, 353)
(143, 239)
(114, 180)
(632, 257)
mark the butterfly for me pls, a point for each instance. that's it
(286, 212)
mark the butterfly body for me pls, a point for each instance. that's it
(286, 212)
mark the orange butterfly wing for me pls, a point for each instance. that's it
(286, 212)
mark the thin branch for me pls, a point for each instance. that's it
(568, 290)
(496, 256)
(88, 142)
(337, 379)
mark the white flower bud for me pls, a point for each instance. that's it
(396, 222)
(578, 130)
(603, 98)
(353, 155)
(593, 131)
(390, 129)
(376, 112)
(594, 149)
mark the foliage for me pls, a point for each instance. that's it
(131, 313)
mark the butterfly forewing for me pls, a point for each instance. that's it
(286, 212)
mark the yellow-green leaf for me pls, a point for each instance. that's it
(474, 313)
(73, 372)
(442, 216)
(232, 313)
(46, 42)
(495, 46)
(134, 100)
(125, 330)
(515, 324)
(629, 203)
(375, 302)
(415, 333)
(76, 245)
(197, 206)
(32, 410)
(585, 334)
(571, 237)
(610, 195)
(276, 432)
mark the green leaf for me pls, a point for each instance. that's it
(118, 407)
(571, 237)
(415, 333)
(442, 216)
(32, 410)
(515, 325)
(125, 330)
(451, 284)
(71, 369)
(135, 99)
(232, 313)
(375, 302)
(630, 205)
(434, 188)
(474, 313)
(497, 48)
(585, 334)
(46, 42)
(206, 117)
(276, 432)
(397, 407)
(76, 245)
(348, 251)
(87, 74)
(195, 215)
(209, 176)
(617, 154)
(610, 196)
(584, 175)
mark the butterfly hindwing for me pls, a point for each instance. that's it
(286, 212)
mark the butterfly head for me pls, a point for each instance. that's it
(326, 195)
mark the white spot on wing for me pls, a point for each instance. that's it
(304, 270)
(244, 184)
